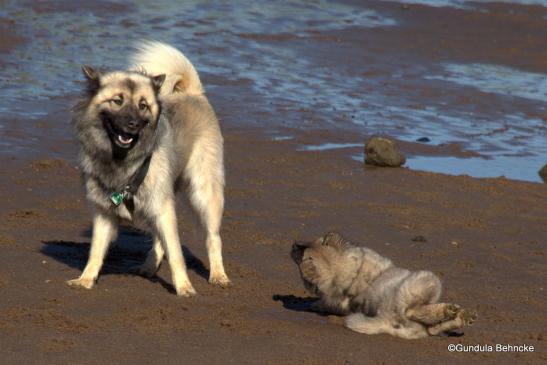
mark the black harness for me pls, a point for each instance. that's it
(125, 195)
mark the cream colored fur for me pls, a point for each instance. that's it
(187, 154)
(373, 294)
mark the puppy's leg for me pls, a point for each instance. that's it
(207, 198)
(431, 314)
(153, 260)
(104, 231)
(418, 289)
(463, 318)
(167, 232)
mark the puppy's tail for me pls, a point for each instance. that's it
(157, 58)
(358, 322)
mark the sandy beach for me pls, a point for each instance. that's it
(485, 237)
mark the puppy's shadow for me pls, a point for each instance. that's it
(295, 303)
(128, 251)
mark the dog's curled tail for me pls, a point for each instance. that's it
(358, 322)
(157, 58)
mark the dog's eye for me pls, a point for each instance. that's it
(143, 106)
(118, 101)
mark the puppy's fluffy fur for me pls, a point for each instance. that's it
(375, 295)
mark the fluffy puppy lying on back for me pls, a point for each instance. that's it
(376, 296)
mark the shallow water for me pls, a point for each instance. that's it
(472, 166)
(496, 79)
(329, 146)
(60, 40)
(469, 4)
(280, 59)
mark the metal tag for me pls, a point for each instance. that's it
(117, 198)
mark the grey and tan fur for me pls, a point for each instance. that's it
(375, 295)
(156, 108)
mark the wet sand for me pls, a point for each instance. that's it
(484, 237)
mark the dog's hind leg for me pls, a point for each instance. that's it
(153, 260)
(418, 289)
(207, 198)
(104, 231)
(430, 314)
(167, 232)
(464, 317)
(211, 217)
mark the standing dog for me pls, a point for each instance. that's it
(144, 134)
(377, 296)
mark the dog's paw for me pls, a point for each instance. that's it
(308, 270)
(186, 291)
(451, 311)
(147, 271)
(220, 281)
(84, 283)
(468, 316)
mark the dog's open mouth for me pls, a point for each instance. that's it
(121, 139)
(124, 140)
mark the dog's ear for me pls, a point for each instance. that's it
(334, 239)
(157, 81)
(93, 78)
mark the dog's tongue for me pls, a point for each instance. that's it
(124, 140)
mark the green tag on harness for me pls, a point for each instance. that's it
(117, 198)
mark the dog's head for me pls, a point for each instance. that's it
(318, 260)
(124, 104)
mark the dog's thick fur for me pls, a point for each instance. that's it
(375, 295)
(158, 109)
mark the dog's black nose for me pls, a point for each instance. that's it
(133, 124)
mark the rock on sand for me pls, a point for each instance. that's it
(543, 173)
(382, 151)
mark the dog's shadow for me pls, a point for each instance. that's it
(129, 250)
(295, 303)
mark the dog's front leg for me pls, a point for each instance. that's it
(104, 231)
(167, 231)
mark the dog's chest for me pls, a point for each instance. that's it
(133, 215)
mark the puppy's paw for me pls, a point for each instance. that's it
(468, 317)
(308, 270)
(451, 311)
(221, 281)
(81, 283)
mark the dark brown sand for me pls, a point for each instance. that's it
(486, 238)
